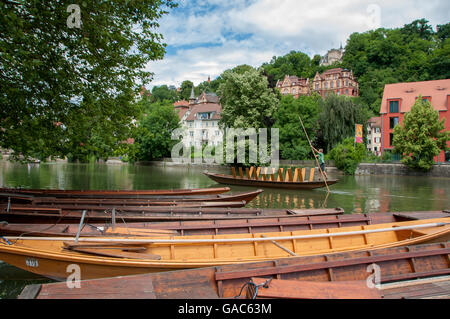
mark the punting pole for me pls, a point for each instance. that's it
(233, 240)
(312, 149)
(80, 226)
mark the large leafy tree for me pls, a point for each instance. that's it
(337, 119)
(246, 99)
(420, 137)
(59, 79)
(294, 144)
(153, 136)
(162, 93)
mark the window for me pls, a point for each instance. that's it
(391, 139)
(393, 121)
(191, 133)
(206, 124)
(426, 98)
(331, 84)
(190, 124)
(217, 133)
(294, 91)
(377, 140)
(393, 106)
(326, 85)
(346, 91)
(317, 86)
(377, 130)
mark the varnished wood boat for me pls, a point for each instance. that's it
(95, 215)
(231, 180)
(108, 257)
(398, 264)
(115, 193)
(148, 201)
(216, 227)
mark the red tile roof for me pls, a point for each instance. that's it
(407, 92)
(205, 107)
(181, 103)
(375, 121)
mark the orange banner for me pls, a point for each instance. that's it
(358, 133)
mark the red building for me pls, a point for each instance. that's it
(400, 97)
(336, 81)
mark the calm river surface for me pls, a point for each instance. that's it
(355, 194)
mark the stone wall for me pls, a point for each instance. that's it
(438, 170)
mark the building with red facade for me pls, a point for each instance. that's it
(398, 99)
(336, 81)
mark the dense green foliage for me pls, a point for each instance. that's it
(347, 155)
(293, 63)
(153, 136)
(65, 89)
(420, 137)
(414, 52)
(338, 118)
(163, 93)
(246, 100)
(293, 141)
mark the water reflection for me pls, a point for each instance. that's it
(355, 194)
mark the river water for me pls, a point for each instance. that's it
(355, 194)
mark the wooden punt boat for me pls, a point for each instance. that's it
(94, 215)
(215, 227)
(116, 193)
(148, 201)
(398, 264)
(270, 183)
(109, 257)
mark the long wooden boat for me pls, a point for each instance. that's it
(148, 201)
(95, 215)
(116, 193)
(109, 257)
(231, 180)
(214, 227)
(397, 264)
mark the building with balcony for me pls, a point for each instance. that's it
(200, 119)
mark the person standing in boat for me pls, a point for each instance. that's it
(321, 160)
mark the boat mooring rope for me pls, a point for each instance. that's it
(251, 283)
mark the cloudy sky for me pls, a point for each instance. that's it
(206, 37)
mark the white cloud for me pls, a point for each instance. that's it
(251, 32)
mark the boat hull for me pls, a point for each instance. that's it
(47, 257)
(230, 180)
(115, 193)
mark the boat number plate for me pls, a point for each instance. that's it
(31, 262)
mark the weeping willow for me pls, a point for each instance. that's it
(338, 118)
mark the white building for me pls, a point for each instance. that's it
(374, 135)
(200, 120)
